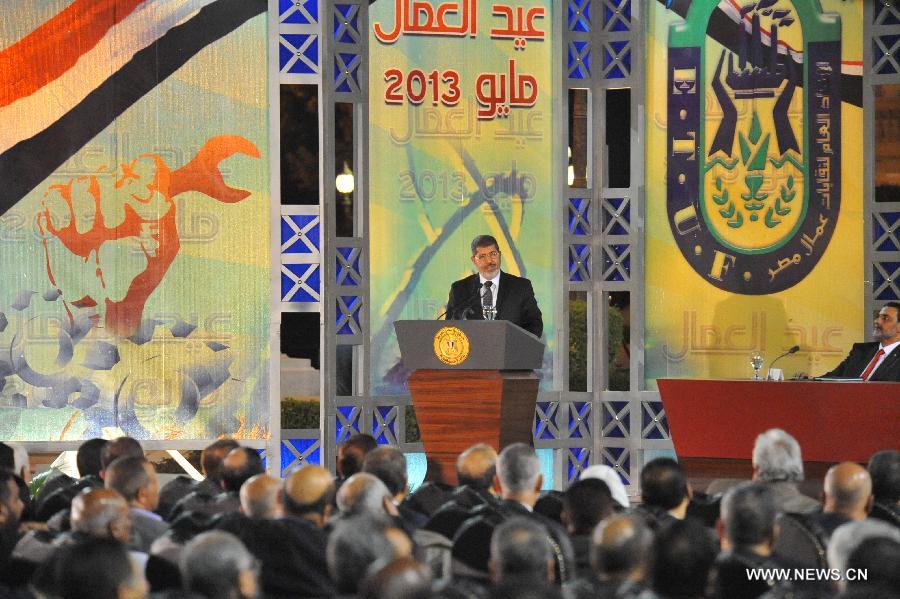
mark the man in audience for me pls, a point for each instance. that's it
(777, 464)
(355, 544)
(98, 568)
(848, 496)
(352, 454)
(879, 558)
(621, 554)
(57, 493)
(11, 507)
(389, 465)
(746, 531)
(260, 497)
(216, 565)
(119, 448)
(850, 536)
(307, 495)
(135, 479)
(363, 493)
(182, 486)
(683, 554)
(665, 492)
(402, 578)
(585, 503)
(239, 465)
(520, 556)
(884, 468)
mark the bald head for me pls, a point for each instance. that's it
(239, 466)
(848, 490)
(308, 493)
(259, 497)
(363, 493)
(476, 466)
(101, 513)
(620, 548)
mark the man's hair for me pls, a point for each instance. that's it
(402, 578)
(7, 457)
(518, 468)
(776, 456)
(483, 241)
(212, 562)
(389, 465)
(626, 552)
(292, 507)
(96, 523)
(89, 457)
(520, 547)
(233, 478)
(127, 476)
(119, 448)
(94, 568)
(362, 493)
(354, 453)
(894, 305)
(5, 477)
(879, 557)
(211, 457)
(477, 480)
(663, 483)
(847, 537)
(884, 468)
(354, 545)
(587, 502)
(748, 512)
(684, 552)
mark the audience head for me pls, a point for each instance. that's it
(520, 548)
(402, 578)
(848, 537)
(259, 497)
(664, 484)
(884, 468)
(585, 504)
(519, 473)
(98, 568)
(11, 505)
(240, 465)
(216, 564)
(388, 464)
(612, 480)
(477, 466)
(684, 552)
(21, 466)
(211, 459)
(848, 490)
(7, 457)
(352, 453)
(363, 493)
(747, 516)
(309, 493)
(134, 478)
(101, 513)
(89, 458)
(879, 558)
(776, 457)
(120, 447)
(621, 549)
(353, 546)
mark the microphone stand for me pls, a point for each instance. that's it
(793, 350)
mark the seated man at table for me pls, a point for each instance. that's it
(880, 359)
(512, 297)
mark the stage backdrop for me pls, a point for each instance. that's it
(459, 144)
(754, 186)
(134, 228)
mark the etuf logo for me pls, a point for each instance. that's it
(754, 140)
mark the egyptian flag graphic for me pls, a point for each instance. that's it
(66, 81)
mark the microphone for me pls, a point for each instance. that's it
(793, 350)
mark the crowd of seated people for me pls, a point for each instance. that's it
(112, 532)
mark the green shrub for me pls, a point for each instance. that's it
(618, 377)
(302, 412)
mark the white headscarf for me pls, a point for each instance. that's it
(612, 480)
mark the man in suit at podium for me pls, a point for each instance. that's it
(880, 359)
(512, 297)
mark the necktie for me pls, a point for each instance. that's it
(868, 371)
(487, 299)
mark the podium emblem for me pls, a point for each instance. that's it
(451, 346)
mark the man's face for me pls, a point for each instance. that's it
(151, 496)
(11, 509)
(487, 261)
(886, 326)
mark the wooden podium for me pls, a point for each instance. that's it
(714, 423)
(473, 382)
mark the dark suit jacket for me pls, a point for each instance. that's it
(514, 303)
(860, 356)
